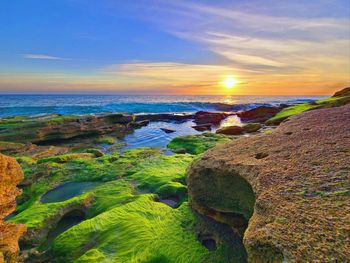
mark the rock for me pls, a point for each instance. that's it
(261, 187)
(10, 175)
(202, 127)
(339, 99)
(230, 130)
(57, 127)
(95, 152)
(342, 93)
(140, 124)
(259, 114)
(203, 117)
(167, 130)
(251, 127)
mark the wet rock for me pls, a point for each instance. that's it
(251, 127)
(140, 124)
(10, 175)
(202, 127)
(166, 130)
(203, 117)
(259, 114)
(280, 205)
(230, 130)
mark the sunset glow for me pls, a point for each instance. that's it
(229, 82)
(176, 47)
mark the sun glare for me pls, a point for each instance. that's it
(229, 82)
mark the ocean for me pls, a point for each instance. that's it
(31, 105)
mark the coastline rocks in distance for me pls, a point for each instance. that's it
(10, 175)
(286, 192)
(230, 130)
(259, 114)
(163, 117)
(204, 117)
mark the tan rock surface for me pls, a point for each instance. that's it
(299, 175)
(10, 175)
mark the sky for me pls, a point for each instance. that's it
(270, 47)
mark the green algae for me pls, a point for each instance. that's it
(106, 140)
(197, 144)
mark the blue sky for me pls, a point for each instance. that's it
(174, 47)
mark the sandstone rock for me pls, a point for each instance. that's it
(10, 175)
(286, 192)
(203, 117)
(259, 114)
(230, 130)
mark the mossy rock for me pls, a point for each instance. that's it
(196, 144)
(300, 108)
(251, 127)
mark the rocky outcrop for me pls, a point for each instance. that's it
(10, 175)
(56, 127)
(287, 193)
(259, 114)
(342, 93)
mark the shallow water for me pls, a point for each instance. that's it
(67, 191)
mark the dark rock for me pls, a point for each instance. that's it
(203, 117)
(259, 114)
(167, 130)
(230, 130)
(202, 127)
(342, 93)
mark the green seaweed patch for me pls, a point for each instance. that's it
(139, 231)
(197, 144)
(63, 158)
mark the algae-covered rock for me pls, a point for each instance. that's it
(340, 98)
(196, 144)
(57, 127)
(251, 127)
(286, 192)
(259, 114)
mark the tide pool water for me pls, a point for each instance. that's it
(29, 105)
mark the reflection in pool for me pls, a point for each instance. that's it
(67, 191)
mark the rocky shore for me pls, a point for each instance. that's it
(229, 192)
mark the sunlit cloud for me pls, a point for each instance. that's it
(42, 56)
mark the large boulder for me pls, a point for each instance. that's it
(230, 130)
(10, 175)
(287, 193)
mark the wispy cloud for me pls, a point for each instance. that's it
(41, 56)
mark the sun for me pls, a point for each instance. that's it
(229, 82)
